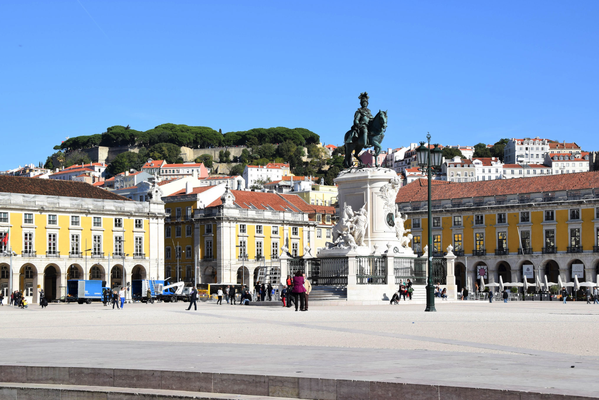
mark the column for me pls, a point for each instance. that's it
(452, 288)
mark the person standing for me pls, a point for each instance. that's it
(505, 295)
(410, 290)
(269, 289)
(490, 296)
(115, 300)
(227, 290)
(596, 300)
(289, 283)
(193, 299)
(122, 296)
(465, 294)
(1, 299)
(564, 294)
(262, 292)
(299, 291)
(232, 295)
(219, 294)
(308, 287)
(588, 294)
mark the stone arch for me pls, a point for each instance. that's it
(476, 272)
(51, 284)
(75, 271)
(551, 270)
(243, 275)
(28, 282)
(138, 272)
(117, 276)
(460, 275)
(5, 279)
(571, 269)
(97, 273)
(255, 275)
(209, 275)
(531, 281)
(504, 270)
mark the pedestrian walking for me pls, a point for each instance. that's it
(409, 289)
(115, 300)
(564, 294)
(219, 294)
(227, 289)
(490, 296)
(284, 296)
(122, 296)
(299, 291)
(1, 299)
(232, 295)
(269, 290)
(505, 295)
(465, 294)
(193, 299)
(588, 294)
(308, 287)
(595, 296)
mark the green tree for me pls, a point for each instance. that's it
(451, 152)
(165, 151)
(267, 150)
(237, 170)
(123, 162)
(76, 157)
(49, 163)
(206, 159)
(481, 150)
(497, 150)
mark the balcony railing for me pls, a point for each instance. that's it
(259, 258)
(458, 253)
(524, 251)
(75, 254)
(139, 255)
(574, 249)
(274, 256)
(98, 254)
(29, 253)
(502, 252)
(549, 250)
(482, 252)
(595, 249)
(243, 257)
(208, 258)
(118, 254)
(53, 254)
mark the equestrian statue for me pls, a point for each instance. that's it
(367, 131)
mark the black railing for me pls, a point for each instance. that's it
(458, 253)
(549, 250)
(29, 253)
(574, 249)
(409, 268)
(75, 254)
(438, 253)
(322, 272)
(595, 249)
(139, 255)
(524, 251)
(118, 254)
(53, 254)
(243, 257)
(482, 252)
(439, 271)
(208, 258)
(259, 257)
(98, 254)
(372, 270)
(502, 252)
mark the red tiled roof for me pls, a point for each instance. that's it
(196, 190)
(512, 166)
(70, 171)
(558, 145)
(301, 204)
(418, 190)
(259, 200)
(153, 164)
(486, 161)
(182, 165)
(53, 187)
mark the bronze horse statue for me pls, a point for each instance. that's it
(376, 133)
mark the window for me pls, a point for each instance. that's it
(258, 250)
(525, 216)
(328, 233)
(167, 232)
(118, 222)
(575, 237)
(501, 240)
(118, 246)
(436, 222)
(97, 222)
(209, 254)
(328, 219)
(5, 272)
(294, 250)
(28, 242)
(549, 215)
(525, 239)
(275, 230)
(243, 252)
(188, 229)
(178, 212)
(2, 246)
(168, 212)
(52, 219)
(242, 228)
(96, 245)
(436, 244)
(139, 245)
(178, 253)
(479, 219)
(295, 231)
(258, 229)
(574, 214)
(188, 252)
(318, 233)
(275, 250)
(416, 223)
(167, 253)
(208, 229)
(457, 220)
(549, 238)
(457, 242)
(479, 241)
(178, 231)
(501, 218)
(318, 218)
(75, 220)
(4, 217)
(75, 244)
(28, 218)
(139, 223)
(188, 212)
(52, 244)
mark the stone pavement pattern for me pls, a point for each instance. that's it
(545, 347)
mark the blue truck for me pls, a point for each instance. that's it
(139, 290)
(83, 291)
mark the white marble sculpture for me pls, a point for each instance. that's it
(351, 229)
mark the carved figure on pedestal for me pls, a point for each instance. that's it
(359, 225)
(343, 223)
(351, 228)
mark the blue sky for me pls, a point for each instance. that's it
(465, 71)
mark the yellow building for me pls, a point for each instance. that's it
(320, 195)
(516, 229)
(60, 230)
(225, 236)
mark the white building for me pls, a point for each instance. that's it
(255, 174)
(487, 168)
(567, 163)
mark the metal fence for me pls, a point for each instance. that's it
(409, 268)
(439, 271)
(322, 272)
(372, 270)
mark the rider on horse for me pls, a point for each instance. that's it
(361, 119)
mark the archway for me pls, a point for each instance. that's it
(97, 273)
(74, 272)
(504, 270)
(138, 272)
(243, 275)
(460, 276)
(209, 275)
(116, 277)
(577, 268)
(256, 271)
(551, 271)
(4, 280)
(480, 270)
(50, 282)
(28, 282)
(528, 274)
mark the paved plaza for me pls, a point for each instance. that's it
(545, 347)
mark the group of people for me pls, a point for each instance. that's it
(16, 299)
(405, 290)
(115, 297)
(263, 290)
(297, 291)
(442, 293)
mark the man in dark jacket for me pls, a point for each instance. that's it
(193, 298)
(505, 295)
(232, 295)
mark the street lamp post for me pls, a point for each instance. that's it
(427, 161)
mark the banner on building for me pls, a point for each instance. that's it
(527, 271)
(481, 272)
(578, 270)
